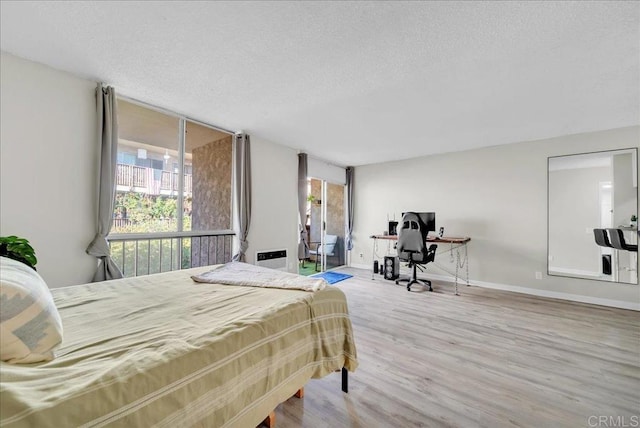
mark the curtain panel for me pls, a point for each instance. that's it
(303, 239)
(349, 238)
(242, 192)
(106, 106)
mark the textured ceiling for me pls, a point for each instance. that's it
(354, 82)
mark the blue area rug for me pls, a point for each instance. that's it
(332, 277)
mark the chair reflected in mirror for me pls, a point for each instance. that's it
(616, 237)
(613, 238)
(602, 239)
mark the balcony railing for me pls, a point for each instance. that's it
(146, 253)
(169, 181)
(131, 175)
(142, 179)
(123, 223)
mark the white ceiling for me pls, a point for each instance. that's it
(354, 82)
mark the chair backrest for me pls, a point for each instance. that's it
(617, 240)
(329, 245)
(601, 238)
(412, 235)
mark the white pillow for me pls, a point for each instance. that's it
(30, 325)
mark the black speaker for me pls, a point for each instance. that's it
(606, 264)
(391, 268)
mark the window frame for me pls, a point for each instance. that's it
(182, 128)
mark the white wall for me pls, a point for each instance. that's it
(323, 170)
(498, 197)
(274, 204)
(48, 159)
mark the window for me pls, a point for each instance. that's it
(173, 191)
(207, 178)
(162, 187)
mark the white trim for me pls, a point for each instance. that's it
(634, 306)
(574, 272)
(361, 266)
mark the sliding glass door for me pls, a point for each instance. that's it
(327, 223)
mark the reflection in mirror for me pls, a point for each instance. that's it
(593, 211)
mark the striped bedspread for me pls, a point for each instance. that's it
(162, 350)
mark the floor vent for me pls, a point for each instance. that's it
(273, 259)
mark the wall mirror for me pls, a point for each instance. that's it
(593, 191)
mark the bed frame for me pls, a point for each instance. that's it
(270, 421)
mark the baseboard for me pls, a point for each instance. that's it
(574, 272)
(634, 306)
(559, 295)
(361, 266)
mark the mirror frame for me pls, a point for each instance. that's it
(631, 149)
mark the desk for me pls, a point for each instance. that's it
(456, 243)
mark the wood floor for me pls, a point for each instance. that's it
(486, 358)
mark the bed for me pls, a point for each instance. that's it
(162, 350)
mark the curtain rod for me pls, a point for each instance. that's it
(174, 114)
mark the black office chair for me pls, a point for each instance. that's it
(412, 248)
(601, 238)
(618, 242)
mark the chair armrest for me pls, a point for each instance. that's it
(431, 253)
(317, 244)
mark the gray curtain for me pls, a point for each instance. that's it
(349, 239)
(303, 242)
(242, 192)
(108, 138)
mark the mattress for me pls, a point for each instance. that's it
(162, 350)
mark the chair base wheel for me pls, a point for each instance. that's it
(410, 281)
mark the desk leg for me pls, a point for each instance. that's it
(373, 257)
(466, 261)
(457, 268)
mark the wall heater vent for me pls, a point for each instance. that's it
(273, 259)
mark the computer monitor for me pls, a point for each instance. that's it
(429, 220)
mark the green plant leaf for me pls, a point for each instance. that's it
(18, 249)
